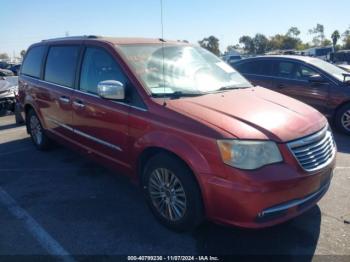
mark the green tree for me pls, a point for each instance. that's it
(4, 56)
(326, 42)
(248, 44)
(23, 52)
(346, 39)
(293, 32)
(231, 48)
(335, 37)
(211, 43)
(261, 44)
(347, 43)
(318, 33)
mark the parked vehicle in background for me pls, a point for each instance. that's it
(320, 84)
(6, 72)
(15, 69)
(323, 53)
(232, 57)
(341, 57)
(200, 139)
(345, 67)
(8, 91)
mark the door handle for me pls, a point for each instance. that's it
(280, 86)
(78, 103)
(64, 99)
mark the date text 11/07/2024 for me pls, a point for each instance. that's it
(173, 258)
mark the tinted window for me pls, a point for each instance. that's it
(61, 64)
(98, 66)
(304, 72)
(259, 67)
(32, 63)
(285, 69)
(246, 68)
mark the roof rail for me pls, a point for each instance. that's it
(72, 38)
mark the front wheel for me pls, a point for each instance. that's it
(36, 131)
(342, 119)
(172, 193)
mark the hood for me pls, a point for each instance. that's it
(253, 113)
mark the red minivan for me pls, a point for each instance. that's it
(198, 137)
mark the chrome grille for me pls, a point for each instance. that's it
(316, 151)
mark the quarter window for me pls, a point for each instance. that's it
(98, 66)
(32, 63)
(61, 65)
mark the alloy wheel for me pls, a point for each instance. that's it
(345, 120)
(167, 194)
(35, 130)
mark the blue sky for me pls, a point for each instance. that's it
(26, 21)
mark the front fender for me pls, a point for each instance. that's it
(183, 148)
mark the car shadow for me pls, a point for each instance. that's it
(9, 126)
(297, 237)
(343, 142)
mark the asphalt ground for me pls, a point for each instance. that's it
(60, 203)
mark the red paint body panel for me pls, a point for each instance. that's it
(189, 128)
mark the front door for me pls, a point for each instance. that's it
(101, 125)
(292, 79)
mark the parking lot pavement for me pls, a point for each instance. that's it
(64, 200)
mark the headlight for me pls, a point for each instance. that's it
(249, 155)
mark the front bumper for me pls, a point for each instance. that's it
(270, 196)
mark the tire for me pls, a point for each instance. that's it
(36, 131)
(3, 110)
(342, 119)
(18, 117)
(181, 196)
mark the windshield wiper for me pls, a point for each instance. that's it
(177, 94)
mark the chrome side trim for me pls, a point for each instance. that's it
(95, 139)
(294, 203)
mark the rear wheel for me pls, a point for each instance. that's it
(172, 193)
(18, 116)
(36, 131)
(342, 119)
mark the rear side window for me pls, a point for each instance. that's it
(246, 68)
(33, 61)
(259, 67)
(98, 66)
(61, 65)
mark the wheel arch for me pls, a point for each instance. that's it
(151, 151)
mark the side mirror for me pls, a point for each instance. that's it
(317, 79)
(111, 89)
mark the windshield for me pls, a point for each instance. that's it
(329, 68)
(187, 69)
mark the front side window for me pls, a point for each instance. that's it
(33, 61)
(61, 65)
(98, 66)
(181, 68)
(286, 70)
(304, 73)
